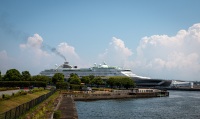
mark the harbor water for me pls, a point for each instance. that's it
(179, 105)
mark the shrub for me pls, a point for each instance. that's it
(75, 87)
(23, 92)
(57, 114)
(6, 96)
(62, 85)
(22, 83)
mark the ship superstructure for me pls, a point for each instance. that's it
(96, 70)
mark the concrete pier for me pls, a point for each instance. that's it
(118, 94)
(68, 108)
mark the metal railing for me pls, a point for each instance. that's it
(21, 109)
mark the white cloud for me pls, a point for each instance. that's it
(34, 45)
(67, 50)
(34, 57)
(35, 42)
(117, 53)
(162, 55)
(157, 56)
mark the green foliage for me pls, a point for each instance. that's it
(6, 96)
(85, 79)
(111, 81)
(35, 90)
(97, 81)
(91, 77)
(75, 87)
(57, 114)
(22, 92)
(12, 75)
(41, 78)
(62, 85)
(26, 76)
(120, 81)
(74, 79)
(127, 82)
(58, 77)
(38, 84)
(14, 84)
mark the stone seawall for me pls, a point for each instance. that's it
(106, 96)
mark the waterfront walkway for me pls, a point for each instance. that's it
(68, 108)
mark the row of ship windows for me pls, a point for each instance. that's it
(87, 70)
(86, 73)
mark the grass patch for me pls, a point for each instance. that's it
(44, 109)
(6, 105)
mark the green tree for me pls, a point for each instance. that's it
(121, 81)
(26, 76)
(91, 78)
(12, 75)
(74, 79)
(62, 85)
(118, 82)
(97, 81)
(58, 77)
(41, 78)
(85, 79)
(127, 82)
(111, 81)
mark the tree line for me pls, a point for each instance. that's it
(15, 75)
(73, 82)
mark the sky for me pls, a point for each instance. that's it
(153, 38)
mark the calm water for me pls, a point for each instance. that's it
(179, 105)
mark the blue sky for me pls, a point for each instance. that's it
(113, 31)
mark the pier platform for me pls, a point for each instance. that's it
(116, 94)
(68, 108)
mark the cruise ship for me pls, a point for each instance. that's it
(104, 70)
